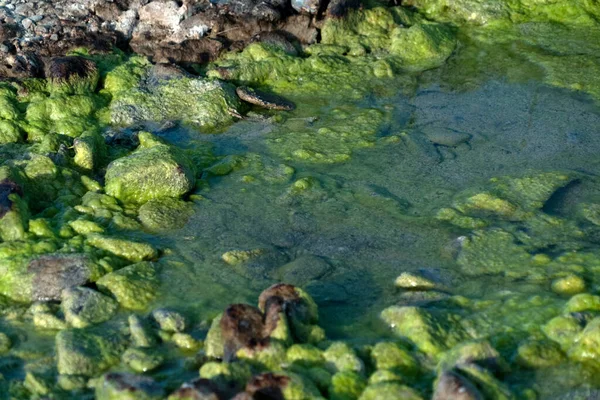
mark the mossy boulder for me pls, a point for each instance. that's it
(134, 286)
(126, 249)
(88, 352)
(389, 391)
(387, 355)
(153, 171)
(200, 102)
(340, 357)
(346, 386)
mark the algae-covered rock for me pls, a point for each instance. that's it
(200, 102)
(479, 352)
(141, 334)
(5, 343)
(165, 213)
(134, 286)
(429, 334)
(10, 132)
(304, 355)
(14, 213)
(346, 386)
(169, 320)
(340, 357)
(586, 345)
(86, 352)
(389, 391)
(303, 270)
(583, 302)
(142, 360)
(387, 355)
(226, 375)
(83, 307)
(124, 386)
(489, 386)
(568, 285)
(563, 330)
(153, 171)
(89, 151)
(129, 250)
(215, 342)
(407, 280)
(539, 354)
(198, 389)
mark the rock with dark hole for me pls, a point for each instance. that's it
(71, 75)
(242, 326)
(262, 99)
(267, 386)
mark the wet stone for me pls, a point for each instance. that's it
(84, 306)
(303, 270)
(407, 280)
(55, 272)
(7, 187)
(198, 389)
(445, 137)
(141, 335)
(262, 99)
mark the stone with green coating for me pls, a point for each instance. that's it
(142, 360)
(226, 374)
(169, 320)
(346, 386)
(87, 352)
(387, 355)
(83, 307)
(134, 286)
(340, 357)
(90, 150)
(215, 343)
(477, 351)
(563, 330)
(586, 346)
(389, 391)
(5, 343)
(124, 386)
(539, 354)
(429, 334)
(141, 334)
(583, 302)
(153, 171)
(305, 355)
(384, 375)
(127, 249)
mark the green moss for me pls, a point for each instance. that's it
(215, 343)
(153, 171)
(90, 151)
(14, 224)
(10, 132)
(236, 373)
(568, 285)
(563, 330)
(85, 227)
(134, 286)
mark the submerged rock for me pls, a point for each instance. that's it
(13, 211)
(134, 286)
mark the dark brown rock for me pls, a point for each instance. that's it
(198, 389)
(242, 326)
(65, 69)
(267, 386)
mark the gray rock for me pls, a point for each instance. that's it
(55, 272)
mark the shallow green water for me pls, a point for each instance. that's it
(354, 178)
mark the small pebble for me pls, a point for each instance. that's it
(27, 23)
(406, 280)
(568, 285)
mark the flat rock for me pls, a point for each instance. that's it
(55, 272)
(262, 99)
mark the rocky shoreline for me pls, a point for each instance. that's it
(191, 31)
